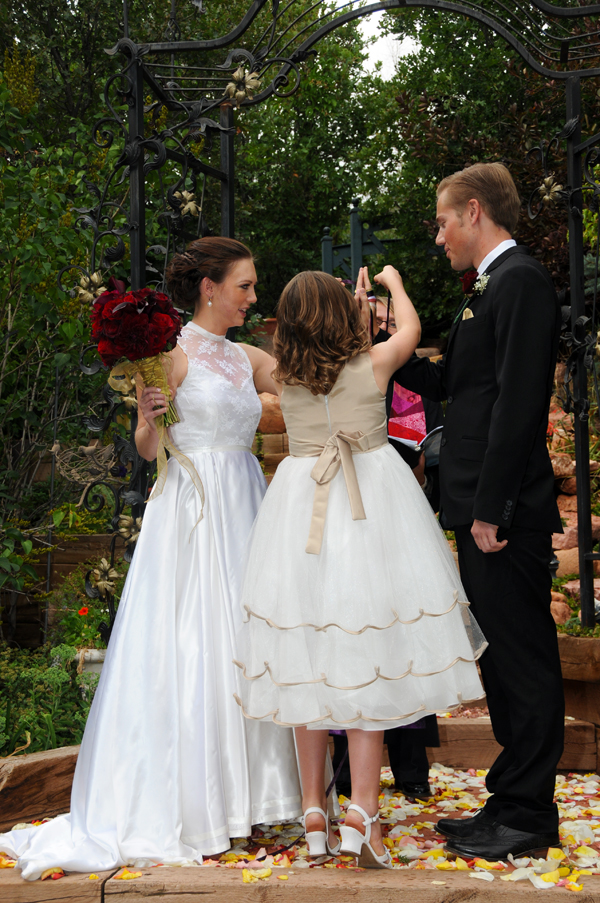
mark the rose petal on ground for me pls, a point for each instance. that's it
(248, 877)
(52, 873)
(483, 876)
(539, 882)
(126, 875)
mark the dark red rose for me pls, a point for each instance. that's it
(468, 281)
(107, 353)
(134, 325)
(116, 285)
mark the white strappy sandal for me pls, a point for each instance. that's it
(356, 844)
(318, 841)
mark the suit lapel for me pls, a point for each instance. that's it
(475, 298)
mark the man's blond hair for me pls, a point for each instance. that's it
(489, 183)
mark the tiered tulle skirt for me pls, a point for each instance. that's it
(372, 633)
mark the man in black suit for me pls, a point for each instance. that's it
(497, 493)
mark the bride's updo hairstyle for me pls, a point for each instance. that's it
(213, 256)
(319, 329)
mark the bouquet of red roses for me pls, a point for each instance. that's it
(133, 331)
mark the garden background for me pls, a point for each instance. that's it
(458, 97)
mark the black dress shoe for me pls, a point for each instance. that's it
(420, 791)
(463, 827)
(492, 840)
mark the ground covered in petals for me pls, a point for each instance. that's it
(410, 835)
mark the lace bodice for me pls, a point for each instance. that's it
(217, 402)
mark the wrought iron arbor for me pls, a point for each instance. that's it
(189, 89)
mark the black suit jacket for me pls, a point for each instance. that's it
(497, 377)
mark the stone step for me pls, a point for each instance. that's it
(39, 785)
(181, 885)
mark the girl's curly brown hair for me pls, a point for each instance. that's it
(319, 329)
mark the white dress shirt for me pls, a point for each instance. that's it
(498, 250)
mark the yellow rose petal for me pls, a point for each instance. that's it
(283, 877)
(93, 877)
(461, 865)
(571, 886)
(555, 853)
(248, 877)
(263, 873)
(586, 851)
(484, 864)
(551, 877)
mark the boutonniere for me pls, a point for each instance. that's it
(473, 284)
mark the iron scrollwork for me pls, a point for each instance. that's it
(167, 140)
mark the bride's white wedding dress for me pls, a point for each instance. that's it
(169, 769)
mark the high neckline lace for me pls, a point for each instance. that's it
(206, 333)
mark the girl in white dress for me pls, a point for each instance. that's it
(357, 619)
(169, 770)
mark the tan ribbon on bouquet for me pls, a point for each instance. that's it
(153, 369)
(337, 452)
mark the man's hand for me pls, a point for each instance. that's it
(485, 536)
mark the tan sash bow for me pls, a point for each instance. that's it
(336, 451)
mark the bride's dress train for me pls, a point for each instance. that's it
(169, 769)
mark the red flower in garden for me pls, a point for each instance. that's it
(83, 611)
(134, 325)
(468, 280)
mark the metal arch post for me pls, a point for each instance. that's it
(137, 179)
(228, 168)
(580, 387)
(327, 251)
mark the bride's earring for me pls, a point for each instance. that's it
(210, 300)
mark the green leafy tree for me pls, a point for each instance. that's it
(43, 327)
(464, 96)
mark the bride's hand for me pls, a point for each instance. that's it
(152, 404)
(389, 277)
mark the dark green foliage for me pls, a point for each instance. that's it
(42, 697)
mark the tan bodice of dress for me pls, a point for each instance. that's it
(350, 420)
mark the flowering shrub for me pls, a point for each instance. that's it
(74, 617)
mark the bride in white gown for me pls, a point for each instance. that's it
(169, 769)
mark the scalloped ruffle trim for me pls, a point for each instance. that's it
(322, 627)
(323, 678)
(348, 722)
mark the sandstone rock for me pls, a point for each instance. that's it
(573, 588)
(568, 562)
(561, 611)
(566, 540)
(566, 503)
(562, 465)
(569, 538)
(272, 418)
(568, 486)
